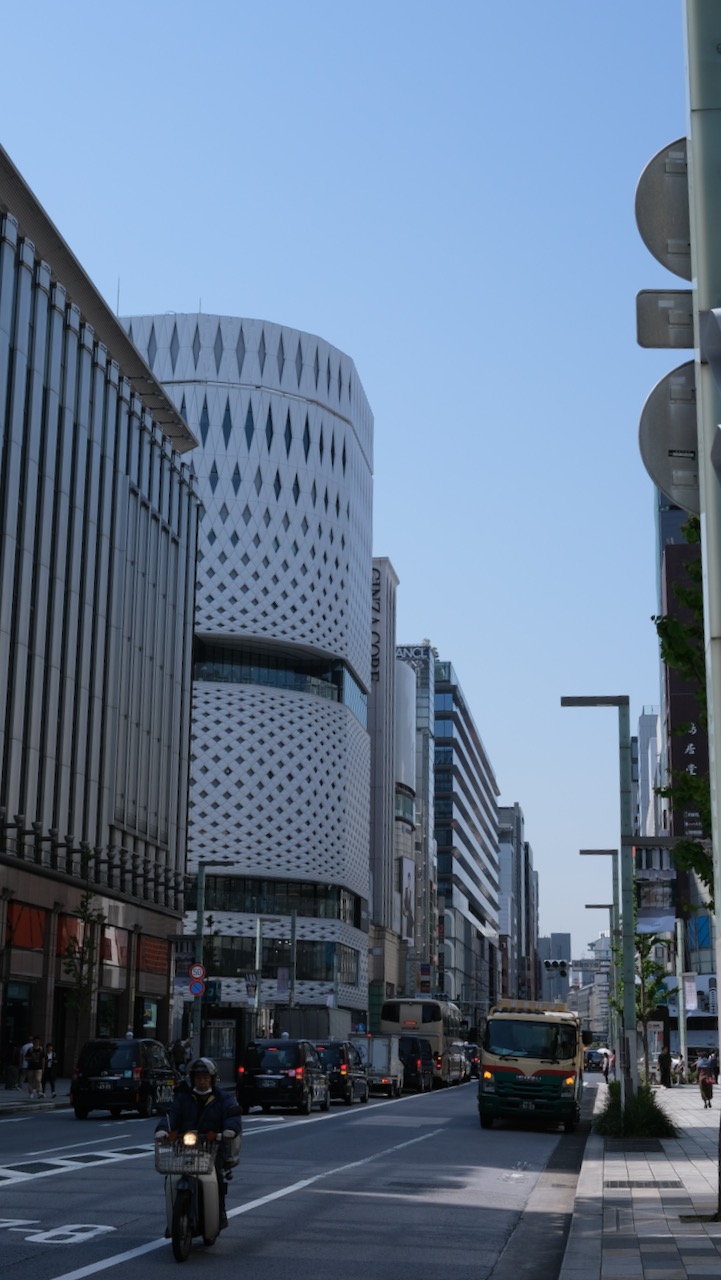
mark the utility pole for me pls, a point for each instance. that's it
(703, 28)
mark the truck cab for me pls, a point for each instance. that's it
(531, 1064)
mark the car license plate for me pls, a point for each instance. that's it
(267, 1084)
(104, 1084)
(527, 1105)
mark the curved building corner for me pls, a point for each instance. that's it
(280, 754)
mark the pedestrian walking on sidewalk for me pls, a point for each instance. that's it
(36, 1065)
(24, 1060)
(704, 1075)
(664, 1067)
(606, 1066)
(713, 1065)
(50, 1074)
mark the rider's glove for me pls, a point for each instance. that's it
(229, 1133)
(161, 1135)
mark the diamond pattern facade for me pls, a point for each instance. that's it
(279, 783)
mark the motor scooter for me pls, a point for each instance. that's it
(192, 1200)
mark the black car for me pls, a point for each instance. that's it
(345, 1070)
(282, 1073)
(122, 1075)
(416, 1055)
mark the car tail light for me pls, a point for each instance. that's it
(137, 1074)
(294, 1073)
(343, 1069)
(241, 1071)
(418, 1064)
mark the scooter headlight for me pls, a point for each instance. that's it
(190, 1139)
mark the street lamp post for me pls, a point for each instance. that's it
(629, 1067)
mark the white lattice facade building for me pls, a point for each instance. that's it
(280, 759)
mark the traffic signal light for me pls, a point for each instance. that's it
(558, 968)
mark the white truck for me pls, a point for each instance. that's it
(382, 1061)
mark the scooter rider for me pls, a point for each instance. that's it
(200, 1105)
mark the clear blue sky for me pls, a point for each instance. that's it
(446, 194)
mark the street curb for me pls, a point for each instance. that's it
(583, 1256)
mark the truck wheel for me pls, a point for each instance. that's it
(486, 1122)
(569, 1126)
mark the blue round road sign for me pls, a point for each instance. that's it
(197, 988)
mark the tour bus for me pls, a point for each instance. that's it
(437, 1021)
(531, 1064)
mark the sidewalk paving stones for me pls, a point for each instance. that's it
(644, 1208)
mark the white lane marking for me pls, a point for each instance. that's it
(94, 1267)
(43, 1151)
(12, 1176)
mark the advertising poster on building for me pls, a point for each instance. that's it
(408, 899)
(655, 900)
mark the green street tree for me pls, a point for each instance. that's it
(651, 990)
(682, 647)
(80, 960)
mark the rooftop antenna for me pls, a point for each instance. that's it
(117, 304)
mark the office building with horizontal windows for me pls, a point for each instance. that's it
(98, 519)
(466, 831)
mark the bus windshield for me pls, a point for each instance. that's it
(550, 1041)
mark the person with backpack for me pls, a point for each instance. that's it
(36, 1066)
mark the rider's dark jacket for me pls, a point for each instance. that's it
(208, 1113)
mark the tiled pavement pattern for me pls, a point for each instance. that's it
(640, 1205)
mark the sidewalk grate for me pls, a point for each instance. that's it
(645, 1182)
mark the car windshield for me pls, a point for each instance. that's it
(99, 1059)
(331, 1055)
(510, 1039)
(270, 1058)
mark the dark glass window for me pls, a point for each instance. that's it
(319, 676)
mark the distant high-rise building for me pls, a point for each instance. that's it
(518, 903)
(422, 958)
(392, 727)
(466, 830)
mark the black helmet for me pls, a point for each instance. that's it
(203, 1064)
